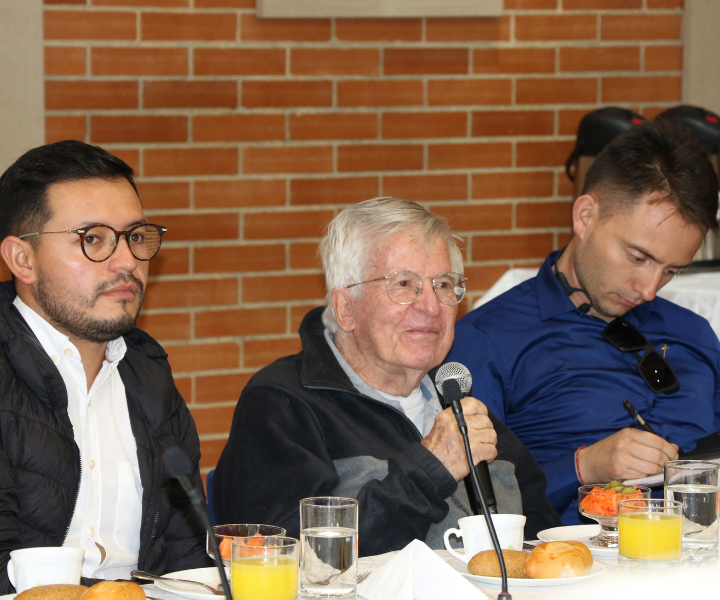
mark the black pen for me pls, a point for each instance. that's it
(632, 411)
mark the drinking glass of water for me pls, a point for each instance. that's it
(695, 484)
(328, 533)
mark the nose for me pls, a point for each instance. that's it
(427, 301)
(649, 284)
(122, 258)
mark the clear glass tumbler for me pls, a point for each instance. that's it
(265, 568)
(649, 533)
(329, 535)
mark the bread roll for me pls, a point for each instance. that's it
(114, 590)
(486, 563)
(56, 591)
(557, 560)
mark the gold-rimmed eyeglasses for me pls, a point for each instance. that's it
(99, 241)
(404, 287)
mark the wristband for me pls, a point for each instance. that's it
(577, 465)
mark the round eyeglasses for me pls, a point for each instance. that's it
(100, 241)
(404, 287)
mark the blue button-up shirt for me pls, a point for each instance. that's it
(546, 371)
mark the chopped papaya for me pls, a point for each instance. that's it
(603, 501)
(226, 546)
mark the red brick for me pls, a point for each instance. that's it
(190, 161)
(347, 190)
(565, 187)
(283, 288)
(288, 159)
(543, 214)
(529, 4)
(512, 122)
(378, 30)
(184, 386)
(335, 61)
(376, 157)
(330, 126)
(286, 93)
(90, 94)
(290, 224)
(379, 93)
(203, 357)
(523, 184)
(469, 156)
(294, 30)
(258, 353)
(569, 121)
(487, 29)
(216, 419)
(238, 128)
(131, 128)
(129, 156)
(239, 61)
(5, 273)
(240, 259)
(170, 261)
(443, 92)
(297, 314)
(218, 193)
(640, 27)
(139, 61)
(88, 25)
(608, 58)
(663, 58)
(65, 60)
(188, 26)
(224, 3)
(478, 217)
(64, 1)
(143, 3)
(189, 94)
(555, 91)
(641, 89)
(556, 27)
(426, 187)
(563, 239)
(424, 125)
(211, 451)
(64, 128)
(514, 60)
(482, 278)
(664, 3)
(304, 255)
(220, 388)
(252, 321)
(421, 61)
(543, 154)
(164, 194)
(175, 326)
(203, 226)
(196, 292)
(498, 247)
(601, 4)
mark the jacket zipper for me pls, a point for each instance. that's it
(141, 563)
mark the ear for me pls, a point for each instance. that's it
(342, 305)
(585, 211)
(19, 256)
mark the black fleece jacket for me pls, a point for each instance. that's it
(40, 461)
(301, 429)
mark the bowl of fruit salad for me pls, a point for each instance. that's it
(600, 503)
(224, 534)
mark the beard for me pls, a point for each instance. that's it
(74, 321)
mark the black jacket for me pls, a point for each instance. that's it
(301, 429)
(40, 461)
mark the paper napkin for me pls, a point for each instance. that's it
(417, 573)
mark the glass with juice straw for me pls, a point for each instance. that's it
(265, 568)
(650, 533)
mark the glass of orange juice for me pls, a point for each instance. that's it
(265, 568)
(650, 533)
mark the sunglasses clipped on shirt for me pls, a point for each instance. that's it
(653, 368)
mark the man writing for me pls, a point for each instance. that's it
(541, 353)
(87, 402)
(355, 413)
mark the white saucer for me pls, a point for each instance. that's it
(578, 533)
(597, 569)
(207, 575)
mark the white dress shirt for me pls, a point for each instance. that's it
(109, 504)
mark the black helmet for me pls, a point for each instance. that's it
(703, 124)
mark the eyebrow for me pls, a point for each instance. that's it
(651, 257)
(87, 224)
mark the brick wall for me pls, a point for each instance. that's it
(248, 136)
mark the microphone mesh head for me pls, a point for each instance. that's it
(176, 462)
(457, 371)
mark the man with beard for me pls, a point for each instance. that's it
(87, 401)
(546, 361)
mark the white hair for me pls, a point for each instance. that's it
(355, 235)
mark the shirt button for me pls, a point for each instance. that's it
(92, 464)
(54, 358)
(67, 352)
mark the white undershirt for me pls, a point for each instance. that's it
(109, 504)
(413, 406)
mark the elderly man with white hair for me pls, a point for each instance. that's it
(355, 413)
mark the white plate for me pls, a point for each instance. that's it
(207, 575)
(8, 597)
(578, 533)
(597, 569)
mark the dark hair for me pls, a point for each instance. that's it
(656, 156)
(23, 187)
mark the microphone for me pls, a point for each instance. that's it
(459, 373)
(179, 467)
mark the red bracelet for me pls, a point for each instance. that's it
(577, 464)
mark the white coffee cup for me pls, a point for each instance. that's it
(30, 567)
(476, 537)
